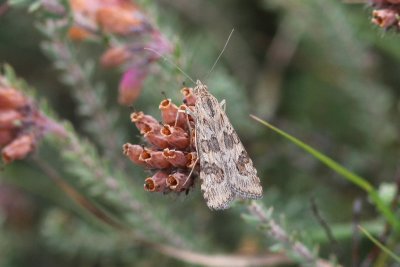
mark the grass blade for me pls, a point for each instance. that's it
(336, 167)
(379, 244)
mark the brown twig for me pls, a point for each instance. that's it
(324, 224)
(220, 259)
(124, 197)
(187, 256)
(75, 195)
(355, 251)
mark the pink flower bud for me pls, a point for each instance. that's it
(156, 183)
(11, 98)
(9, 119)
(160, 44)
(76, 33)
(6, 136)
(131, 85)
(175, 157)
(120, 20)
(19, 148)
(115, 56)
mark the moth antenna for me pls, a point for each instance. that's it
(220, 54)
(170, 62)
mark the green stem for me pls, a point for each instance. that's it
(379, 244)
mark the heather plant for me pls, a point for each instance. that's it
(100, 166)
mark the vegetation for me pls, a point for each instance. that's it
(310, 87)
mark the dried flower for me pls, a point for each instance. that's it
(123, 20)
(179, 181)
(156, 183)
(184, 119)
(190, 99)
(10, 98)
(115, 56)
(21, 123)
(176, 137)
(78, 34)
(168, 111)
(176, 158)
(155, 159)
(173, 155)
(387, 13)
(6, 136)
(385, 18)
(173, 115)
(142, 121)
(133, 152)
(19, 148)
(154, 137)
(9, 119)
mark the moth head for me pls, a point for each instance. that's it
(200, 88)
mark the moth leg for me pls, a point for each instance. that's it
(176, 117)
(187, 112)
(197, 154)
(223, 104)
(191, 172)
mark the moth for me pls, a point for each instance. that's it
(226, 170)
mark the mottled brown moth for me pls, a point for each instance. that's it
(226, 170)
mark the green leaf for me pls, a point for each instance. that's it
(387, 192)
(34, 6)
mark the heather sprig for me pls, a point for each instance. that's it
(22, 123)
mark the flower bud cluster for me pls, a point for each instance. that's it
(171, 153)
(386, 13)
(21, 123)
(132, 32)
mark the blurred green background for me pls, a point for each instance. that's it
(316, 69)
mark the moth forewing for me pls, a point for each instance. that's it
(226, 170)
